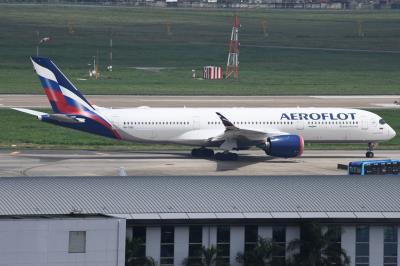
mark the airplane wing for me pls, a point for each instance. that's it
(233, 135)
(57, 117)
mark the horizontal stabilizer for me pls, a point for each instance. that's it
(29, 111)
(55, 117)
(66, 118)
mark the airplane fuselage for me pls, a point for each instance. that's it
(196, 126)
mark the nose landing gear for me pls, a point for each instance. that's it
(370, 153)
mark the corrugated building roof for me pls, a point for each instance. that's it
(204, 197)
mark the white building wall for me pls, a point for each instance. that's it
(349, 242)
(181, 246)
(42, 242)
(153, 242)
(376, 245)
(237, 243)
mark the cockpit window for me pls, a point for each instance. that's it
(381, 121)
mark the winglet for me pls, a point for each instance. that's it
(228, 124)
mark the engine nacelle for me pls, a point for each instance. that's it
(284, 146)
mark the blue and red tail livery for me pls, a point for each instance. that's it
(66, 99)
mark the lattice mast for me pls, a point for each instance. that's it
(232, 65)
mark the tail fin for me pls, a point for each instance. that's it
(71, 108)
(63, 96)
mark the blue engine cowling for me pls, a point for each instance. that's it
(285, 146)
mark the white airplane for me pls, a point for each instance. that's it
(280, 132)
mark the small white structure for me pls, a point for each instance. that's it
(171, 2)
(96, 241)
(212, 72)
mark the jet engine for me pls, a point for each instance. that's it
(284, 146)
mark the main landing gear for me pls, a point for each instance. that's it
(370, 153)
(203, 153)
(226, 156)
(209, 153)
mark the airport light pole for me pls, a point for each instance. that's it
(232, 65)
(40, 41)
(37, 43)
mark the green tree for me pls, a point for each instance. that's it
(208, 257)
(261, 254)
(134, 254)
(315, 248)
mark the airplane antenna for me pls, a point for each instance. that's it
(232, 65)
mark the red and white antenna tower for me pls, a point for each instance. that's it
(232, 66)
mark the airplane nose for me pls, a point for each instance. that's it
(392, 133)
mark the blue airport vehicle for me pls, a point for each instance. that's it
(375, 167)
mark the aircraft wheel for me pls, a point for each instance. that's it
(369, 154)
(218, 156)
(234, 156)
(202, 153)
(209, 153)
(195, 153)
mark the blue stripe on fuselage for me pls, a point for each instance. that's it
(90, 126)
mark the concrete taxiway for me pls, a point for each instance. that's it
(253, 162)
(121, 101)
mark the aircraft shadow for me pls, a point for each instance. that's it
(221, 166)
(135, 155)
(246, 160)
(333, 157)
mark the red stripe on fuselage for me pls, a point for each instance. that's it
(301, 145)
(100, 120)
(116, 134)
(97, 119)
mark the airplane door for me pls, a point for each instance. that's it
(196, 122)
(147, 131)
(153, 131)
(374, 126)
(300, 124)
(364, 124)
(115, 121)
